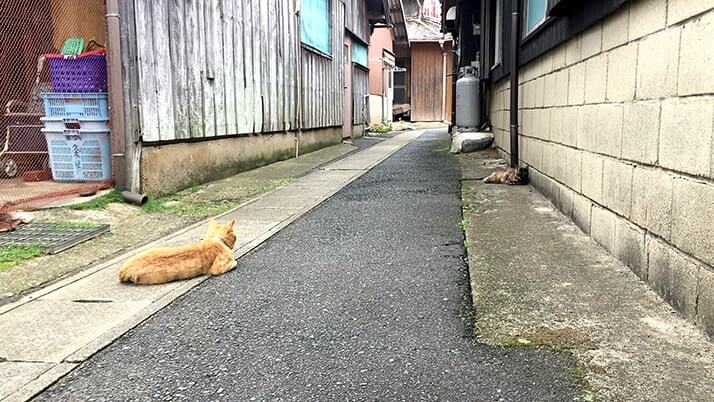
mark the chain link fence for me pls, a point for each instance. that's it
(54, 128)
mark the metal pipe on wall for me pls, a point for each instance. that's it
(116, 95)
(515, 42)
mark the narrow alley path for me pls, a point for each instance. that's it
(365, 297)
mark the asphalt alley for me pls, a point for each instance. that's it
(365, 297)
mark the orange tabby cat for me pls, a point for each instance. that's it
(213, 255)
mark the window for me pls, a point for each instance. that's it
(535, 14)
(359, 54)
(315, 24)
(498, 34)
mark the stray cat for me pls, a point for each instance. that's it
(213, 255)
(509, 176)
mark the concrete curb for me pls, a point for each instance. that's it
(59, 370)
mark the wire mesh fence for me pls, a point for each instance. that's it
(54, 127)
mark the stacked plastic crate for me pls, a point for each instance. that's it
(76, 122)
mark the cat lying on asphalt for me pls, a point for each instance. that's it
(213, 255)
(509, 176)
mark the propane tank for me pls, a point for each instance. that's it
(467, 104)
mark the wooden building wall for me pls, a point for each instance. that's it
(224, 67)
(360, 91)
(427, 82)
(356, 19)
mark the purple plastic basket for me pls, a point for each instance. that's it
(85, 73)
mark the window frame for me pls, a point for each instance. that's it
(539, 23)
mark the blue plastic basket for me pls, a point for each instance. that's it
(59, 104)
(79, 155)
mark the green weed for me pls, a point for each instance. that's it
(11, 255)
(99, 202)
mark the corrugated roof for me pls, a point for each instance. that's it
(395, 14)
(424, 29)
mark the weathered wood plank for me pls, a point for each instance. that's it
(147, 76)
(195, 65)
(163, 69)
(229, 68)
(239, 57)
(257, 62)
(207, 43)
(178, 51)
(220, 81)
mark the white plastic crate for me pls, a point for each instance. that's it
(79, 155)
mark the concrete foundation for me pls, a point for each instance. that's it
(169, 168)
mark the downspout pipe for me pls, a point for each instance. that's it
(116, 96)
(515, 43)
(298, 72)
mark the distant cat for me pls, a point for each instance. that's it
(213, 255)
(509, 176)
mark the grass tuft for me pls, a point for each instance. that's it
(99, 202)
(11, 255)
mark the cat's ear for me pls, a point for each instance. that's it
(231, 223)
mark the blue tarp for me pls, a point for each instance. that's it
(315, 24)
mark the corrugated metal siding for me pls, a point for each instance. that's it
(360, 90)
(224, 67)
(356, 19)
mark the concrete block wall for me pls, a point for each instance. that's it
(617, 128)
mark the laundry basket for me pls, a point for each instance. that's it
(85, 72)
(79, 155)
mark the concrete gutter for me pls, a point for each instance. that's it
(48, 333)
(538, 281)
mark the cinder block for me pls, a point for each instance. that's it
(547, 159)
(647, 16)
(596, 79)
(615, 28)
(559, 57)
(696, 75)
(559, 162)
(569, 131)
(563, 199)
(539, 92)
(602, 227)
(541, 123)
(621, 73)
(561, 88)
(576, 87)
(592, 171)
(549, 90)
(617, 186)
(705, 305)
(658, 58)
(640, 136)
(587, 129)
(581, 212)
(608, 129)
(573, 50)
(652, 192)
(592, 41)
(673, 276)
(681, 10)
(692, 217)
(630, 247)
(572, 174)
(556, 124)
(686, 135)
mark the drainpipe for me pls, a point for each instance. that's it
(298, 72)
(515, 43)
(116, 95)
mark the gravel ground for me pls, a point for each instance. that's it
(366, 297)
